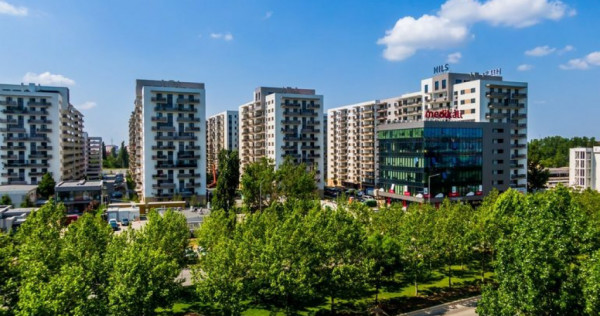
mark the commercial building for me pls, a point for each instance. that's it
(77, 195)
(282, 122)
(167, 141)
(41, 132)
(11, 218)
(473, 97)
(221, 133)
(583, 168)
(432, 160)
(93, 157)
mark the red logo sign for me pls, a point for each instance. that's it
(443, 114)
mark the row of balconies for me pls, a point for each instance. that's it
(180, 136)
(175, 164)
(163, 108)
(177, 100)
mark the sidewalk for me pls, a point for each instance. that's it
(464, 307)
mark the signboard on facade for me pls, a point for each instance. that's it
(443, 114)
(441, 69)
(493, 72)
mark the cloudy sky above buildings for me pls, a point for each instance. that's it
(349, 51)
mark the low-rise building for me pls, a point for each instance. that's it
(558, 176)
(78, 195)
(19, 193)
(583, 167)
(11, 218)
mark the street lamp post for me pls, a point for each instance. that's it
(429, 185)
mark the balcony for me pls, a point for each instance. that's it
(163, 147)
(192, 185)
(309, 130)
(290, 105)
(38, 154)
(313, 106)
(519, 156)
(163, 128)
(497, 95)
(44, 130)
(308, 147)
(15, 110)
(37, 112)
(290, 121)
(159, 99)
(13, 175)
(160, 158)
(184, 119)
(192, 147)
(33, 138)
(188, 100)
(13, 129)
(39, 121)
(162, 176)
(517, 165)
(495, 116)
(519, 95)
(518, 116)
(313, 123)
(192, 129)
(187, 155)
(161, 108)
(7, 121)
(188, 175)
(8, 103)
(517, 176)
(40, 104)
(10, 157)
(521, 135)
(164, 185)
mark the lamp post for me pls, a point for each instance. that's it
(429, 185)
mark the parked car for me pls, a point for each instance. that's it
(117, 195)
(113, 224)
(125, 221)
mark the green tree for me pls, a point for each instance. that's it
(228, 181)
(8, 273)
(452, 234)
(5, 200)
(142, 277)
(295, 181)
(122, 159)
(258, 184)
(537, 269)
(553, 151)
(104, 155)
(591, 284)
(46, 186)
(27, 202)
(416, 240)
(39, 250)
(169, 233)
(537, 176)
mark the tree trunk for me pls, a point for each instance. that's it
(482, 267)
(449, 275)
(332, 305)
(416, 287)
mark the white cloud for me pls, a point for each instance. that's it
(224, 36)
(454, 58)
(48, 79)
(566, 49)
(540, 51)
(524, 67)
(7, 8)
(268, 15)
(87, 105)
(591, 59)
(450, 26)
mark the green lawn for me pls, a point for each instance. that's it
(397, 295)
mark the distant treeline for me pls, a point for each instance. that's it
(553, 151)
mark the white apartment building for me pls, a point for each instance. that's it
(282, 122)
(483, 98)
(352, 140)
(352, 148)
(583, 168)
(221, 133)
(166, 141)
(93, 157)
(41, 132)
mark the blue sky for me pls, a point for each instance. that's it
(349, 51)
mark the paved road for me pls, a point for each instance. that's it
(464, 307)
(186, 275)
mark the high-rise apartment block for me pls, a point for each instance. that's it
(352, 150)
(41, 132)
(167, 140)
(221, 133)
(93, 157)
(282, 122)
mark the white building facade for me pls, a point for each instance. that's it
(221, 133)
(583, 168)
(282, 122)
(41, 132)
(168, 140)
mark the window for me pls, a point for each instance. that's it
(443, 83)
(472, 100)
(472, 90)
(437, 85)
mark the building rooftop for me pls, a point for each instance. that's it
(79, 185)
(17, 188)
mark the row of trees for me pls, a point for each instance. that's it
(543, 248)
(114, 159)
(49, 268)
(553, 151)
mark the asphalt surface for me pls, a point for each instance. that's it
(464, 307)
